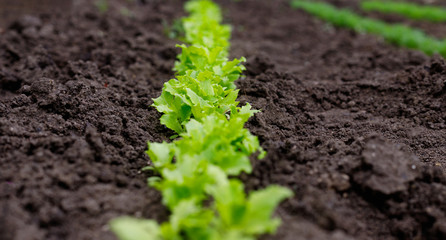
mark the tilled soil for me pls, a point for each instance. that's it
(356, 127)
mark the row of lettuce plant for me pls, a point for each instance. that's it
(197, 172)
(398, 34)
(409, 10)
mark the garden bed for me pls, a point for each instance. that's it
(354, 126)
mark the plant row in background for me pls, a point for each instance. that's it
(398, 34)
(197, 171)
(410, 10)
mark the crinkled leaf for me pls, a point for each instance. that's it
(127, 228)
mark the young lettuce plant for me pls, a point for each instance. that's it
(205, 78)
(214, 60)
(199, 92)
(203, 26)
(215, 140)
(233, 216)
(194, 171)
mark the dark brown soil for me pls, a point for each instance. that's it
(10, 9)
(354, 126)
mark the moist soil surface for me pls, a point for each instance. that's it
(355, 126)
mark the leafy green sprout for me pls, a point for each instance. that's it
(195, 171)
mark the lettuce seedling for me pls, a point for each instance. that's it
(194, 184)
(214, 60)
(205, 78)
(214, 140)
(197, 94)
(203, 27)
(194, 170)
(221, 141)
(231, 215)
(250, 216)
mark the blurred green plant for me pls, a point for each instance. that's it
(410, 10)
(398, 34)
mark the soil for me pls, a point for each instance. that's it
(355, 126)
(9, 10)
